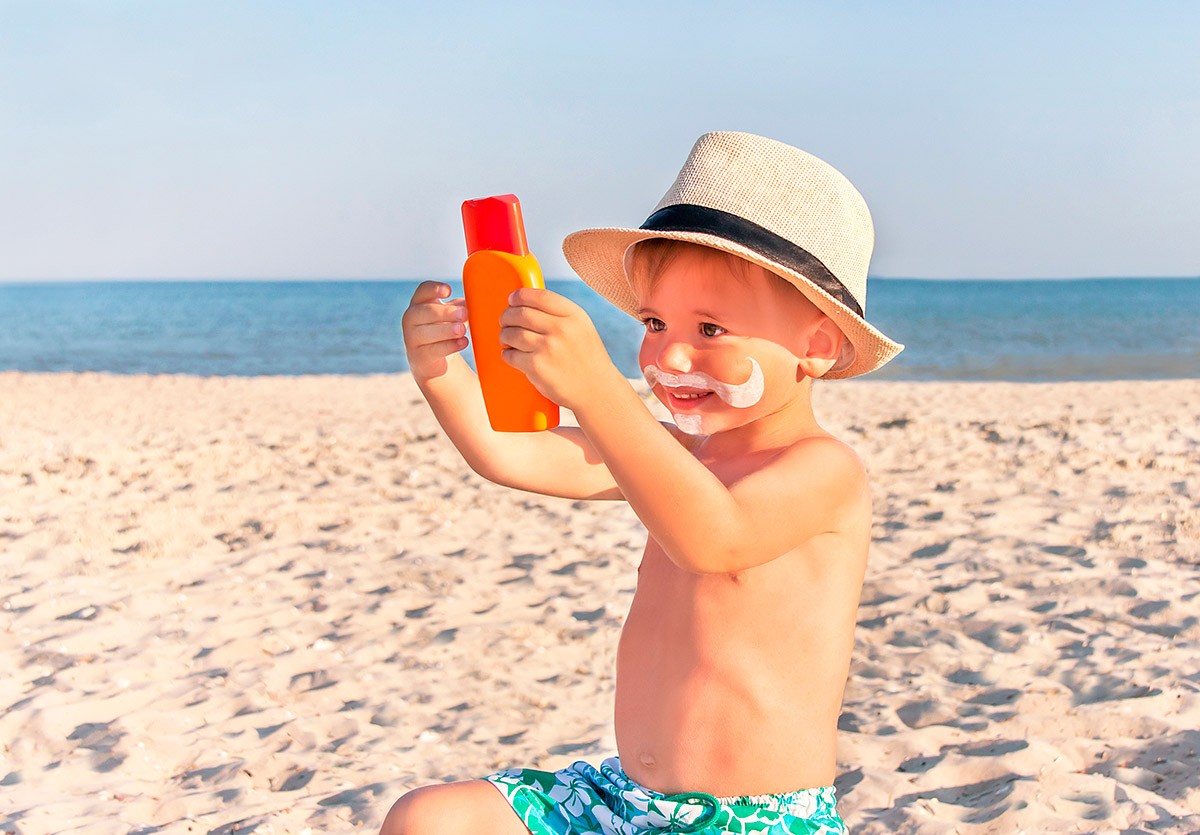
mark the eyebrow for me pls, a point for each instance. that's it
(700, 314)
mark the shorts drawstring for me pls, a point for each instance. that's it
(711, 804)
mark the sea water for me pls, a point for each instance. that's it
(1030, 330)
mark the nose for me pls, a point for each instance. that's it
(675, 356)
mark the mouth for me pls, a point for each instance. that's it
(687, 397)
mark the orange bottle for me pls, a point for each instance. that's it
(499, 262)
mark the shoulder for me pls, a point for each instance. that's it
(825, 449)
(826, 464)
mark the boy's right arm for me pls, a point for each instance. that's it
(557, 462)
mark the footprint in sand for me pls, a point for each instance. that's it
(573, 747)
(926, 712)
(310, 681)
(931, 550)
(362, 802)
(292, 779)
(987, 796)
(992, 748)
(1151, 607)
(999, 696)
(589, 616)
(1093, 688)
(921, 764)
(102, 738)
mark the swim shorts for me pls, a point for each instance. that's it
(585, 800)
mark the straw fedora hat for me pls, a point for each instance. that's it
(773, 205)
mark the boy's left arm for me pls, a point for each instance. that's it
(701, 523)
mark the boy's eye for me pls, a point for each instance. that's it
(654, 325)
(709, 329)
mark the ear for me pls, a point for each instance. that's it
(824, 348)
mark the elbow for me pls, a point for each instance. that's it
(488, 470)
(713, 557)
(730, 550)
(496, 476)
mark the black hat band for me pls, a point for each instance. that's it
(687, 217)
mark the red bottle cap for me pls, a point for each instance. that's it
(495, 223)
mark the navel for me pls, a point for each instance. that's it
(646, 759)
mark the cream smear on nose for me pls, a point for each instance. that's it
(737, 395)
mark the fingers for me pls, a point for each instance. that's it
(517, 359)
(539, 317)
(529, 318)
(539, 310)
(429, 291)
(430, 323)
(432, 332)
(521, 338)
(545, 300)
(426, 306)
(429, 346)
(434, 341)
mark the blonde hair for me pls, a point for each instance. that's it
(646, 260)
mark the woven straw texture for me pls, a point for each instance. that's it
(783, 189)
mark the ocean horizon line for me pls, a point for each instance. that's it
(1017, 330)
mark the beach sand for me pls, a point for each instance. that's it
(272, 605)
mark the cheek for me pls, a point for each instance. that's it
(645, 354)
(778, 374)
(731, 367)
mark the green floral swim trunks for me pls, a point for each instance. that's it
(585, 800)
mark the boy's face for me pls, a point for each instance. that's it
(722, 345)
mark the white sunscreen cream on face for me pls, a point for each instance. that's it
(739, 395)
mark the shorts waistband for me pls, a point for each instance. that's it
(800, 803)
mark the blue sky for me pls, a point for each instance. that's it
(337, 140)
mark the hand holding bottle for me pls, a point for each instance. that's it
(433, 330)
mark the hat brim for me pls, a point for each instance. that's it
(598, 257)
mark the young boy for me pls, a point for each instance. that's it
(750, 277)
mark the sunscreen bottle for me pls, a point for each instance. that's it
(499, 262)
